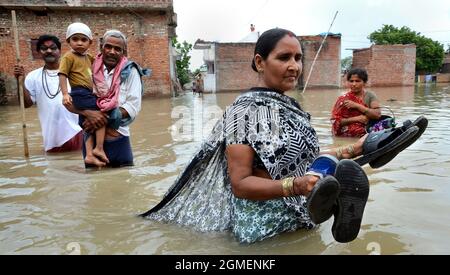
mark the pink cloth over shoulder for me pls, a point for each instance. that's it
(108, 97)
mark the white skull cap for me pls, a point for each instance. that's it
(78, 27)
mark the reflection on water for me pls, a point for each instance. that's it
(50, 205)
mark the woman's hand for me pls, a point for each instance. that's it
(351, 104)
(358, 146)
(349, 151)
(363, 119)
(304, 185)
(356, 119)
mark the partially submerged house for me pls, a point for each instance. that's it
(148, 24)
(444, 74)
(387, 65)
(229, 64)
(446, 64)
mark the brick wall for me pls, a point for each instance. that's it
(361, 58)
(387, 65)
(148, 4)
(147, 33)
(443, 78)
(446, 64)
(326, 71)
(234, 71)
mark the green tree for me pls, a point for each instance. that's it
(430, 54)
(196, 72)
(346, 63)
(184, 61)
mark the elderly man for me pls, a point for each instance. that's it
(117, 143)
(60, 130)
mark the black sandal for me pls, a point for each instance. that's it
(354, 192)
(381, 147)
(322, 200)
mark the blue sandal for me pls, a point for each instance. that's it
(321, 201)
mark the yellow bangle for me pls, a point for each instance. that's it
(351, 150)
(339, 153)
(366, 111)
(288, 187)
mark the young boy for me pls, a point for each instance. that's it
(76, 66)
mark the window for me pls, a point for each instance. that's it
(5, 32)
(40, 12)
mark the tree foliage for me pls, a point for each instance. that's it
(430, 54)
(184, 61)
(196, 71)
(346, 63)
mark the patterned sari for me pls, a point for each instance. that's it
(339, 112)
(280, 133)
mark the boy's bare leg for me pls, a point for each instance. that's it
(100, 139)
(90, 158)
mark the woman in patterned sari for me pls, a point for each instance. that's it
(249, 175)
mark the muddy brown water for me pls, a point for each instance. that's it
(49, 204)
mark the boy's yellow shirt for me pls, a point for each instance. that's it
(77, 68)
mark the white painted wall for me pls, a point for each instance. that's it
(209, 55)
(209, 83)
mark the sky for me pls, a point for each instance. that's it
(229, 20)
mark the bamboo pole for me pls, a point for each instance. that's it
(20, 85)
(318, 52)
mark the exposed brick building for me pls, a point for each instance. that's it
(446, 64)
(444, 73)
(327, 69)
(233, 67)
(229, 64)
(148, 24)
(387, 65)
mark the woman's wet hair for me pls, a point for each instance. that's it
(361, 73)
(267, 42)
(47, 37)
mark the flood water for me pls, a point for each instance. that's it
(49, 204)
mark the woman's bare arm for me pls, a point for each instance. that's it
(246, 185)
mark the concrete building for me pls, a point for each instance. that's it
(387, 65)
(229, 64)
(148, 24)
